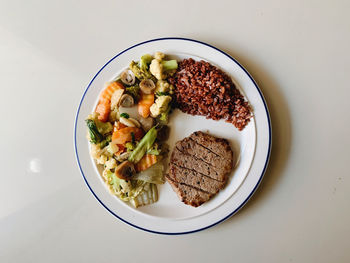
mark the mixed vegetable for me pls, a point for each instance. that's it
(126, 131)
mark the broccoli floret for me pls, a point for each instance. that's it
(136, 70)
(103, 128)
(105, 142)
(134, 91)
(145, 61)
(169, 64)
(140, 73)
(95, 136)
(163, 118)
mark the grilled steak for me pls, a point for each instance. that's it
(199, 166)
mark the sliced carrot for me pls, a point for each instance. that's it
(121, 149)
(124, 135)
(103, 109)
(104, 105)
(107, 93)
(147, 161)
(144, 105)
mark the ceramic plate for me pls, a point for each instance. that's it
(251, 146)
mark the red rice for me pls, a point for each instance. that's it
(203, 89)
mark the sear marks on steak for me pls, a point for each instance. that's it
(217, 145)
(199, 167)
(191, 162)
(198, 180)
(192, 147)
(188, 194)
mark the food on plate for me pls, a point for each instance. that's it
(128, 129)
(145, 103)
(160, 105)
(147, 86)
(127, 77)
(203, 89)
(125, 130)
(161, 68)
(199, 167)
(104, 105)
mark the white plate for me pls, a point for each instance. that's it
(251, 146)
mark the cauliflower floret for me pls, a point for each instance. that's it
(162, 86)
(93, 116)
(155, 111)
(156, 68)
(95, 151)
(159, 55)
(102, 159)
(162, 68)
(160, 105)
(104, 174)
(100, 155)
(111, 163)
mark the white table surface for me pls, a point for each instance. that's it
(298, 52)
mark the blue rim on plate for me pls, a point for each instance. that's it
(267, 157)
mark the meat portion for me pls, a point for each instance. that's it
(192, 146)
(199, 166)
(193, 178)
(216, 145)
(185, 160)
(188, 194)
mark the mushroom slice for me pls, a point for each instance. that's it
(125, 170)
(146, 123)
(147, 86)
(127, 101)
(127, 77)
